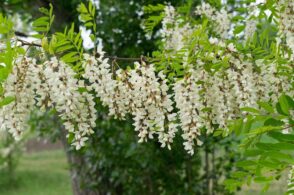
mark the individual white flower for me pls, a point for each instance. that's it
(231, 47)
(213, 40)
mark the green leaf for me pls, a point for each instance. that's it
(273, 122)
(64, 48)
(44, 11)
(6, 25)
(265, 146)
(1, 90)
(90, 6)
(70, 57)
(263, 179)
(237, 126)
(41, 29)
(281, 137)
(153, 8)
(284, 146)
(266, 106)
(82, 8)
(41, 22)
(290, 102)
(253, 152)
(238, 18)
(239, 29)
(269, 164)
(283, 100)
(239, 174)
(51, 9)
(6, 100)
(282, 157)
(263, 129)
(249, 109)
(217, 133)
(279, 109)
(246, 163)
(85, 17)
(89, 24)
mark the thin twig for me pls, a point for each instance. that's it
(24, 43)
(20, 34)
(122, 58)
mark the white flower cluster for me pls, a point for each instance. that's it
(220, 18)
(77, 110)
(202, 100)
(272, 80)
(220, 96)
(138, 92)
(287, 22)
(152, 104)
(188, 101)
(98, 71)
(14, 116)
(50, 84)
(250, 28)
(173, 30)
(243, 84)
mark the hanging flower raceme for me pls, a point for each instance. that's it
(76, 109)
(174, 30)
(152, 106)
(188, 101)
(52, 84)
(287, 22)
(221, 18)
(100, 75)
(138, 92)
(273, 79)
(14, 116)
(250, 28)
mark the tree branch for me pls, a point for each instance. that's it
(20, 34)
(114, 58)
(24, 43)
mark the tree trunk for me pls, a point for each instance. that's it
(75, 161)
(207, 172)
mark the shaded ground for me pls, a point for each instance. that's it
(39, 173)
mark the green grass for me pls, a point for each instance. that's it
(42, 173)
